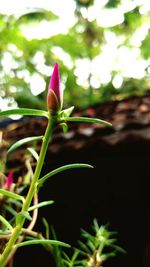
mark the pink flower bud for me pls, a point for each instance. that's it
(9, 181)
(55, 94)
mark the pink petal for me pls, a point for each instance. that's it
(9, 181)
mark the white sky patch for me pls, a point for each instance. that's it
(95, 81)
(37, 84)
(24, 74)
(9, 103)
(19, 7)
(8, 62)
(101, 67)
(110, 17)
(128, 5)
(39, 61)
(129, 63)
(82, 71)
(65, 57)
(45, 29)
(117, 81)
(139, 35)
(145, 7)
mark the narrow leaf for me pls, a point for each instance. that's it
(23, 141)
(5, 222)
(41, 204)
(26, 215)
(11, 194)
(84, 119)
(33, 153)
(46, 227)
(119, 249)
(63, 168)
(66, 112)
(42, 242)
(16, 202)
(64, 127)
(24, 111)
(57, 251)
(10, 209)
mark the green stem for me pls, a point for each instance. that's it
(19, 224)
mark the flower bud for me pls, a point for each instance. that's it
(55, 94)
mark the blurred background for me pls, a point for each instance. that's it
(102, 47)
(103, 50)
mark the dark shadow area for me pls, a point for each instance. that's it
(116, 191)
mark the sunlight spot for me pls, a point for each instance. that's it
(82, 71)
(8, 63)
(9, 103)
(62, 55)
(95, 82)
(37, 84)
(117, 81)
(145, 7)
(23, 74)
(139, 35)
(110, 17)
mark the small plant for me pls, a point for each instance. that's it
(93, 251)
(19, 210)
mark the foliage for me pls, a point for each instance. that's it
(23, 59)
(94, 250)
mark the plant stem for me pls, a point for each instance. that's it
(19, 223)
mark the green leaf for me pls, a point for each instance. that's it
(42, 242)
(64, 127)
(46, 227)
(33, 153)
(24, 111)
(10, 209)
(84, 119)
(119, 249)
(36, 15)
(11, 194)
(23, 141)
(63, 168)
(26, 215)
(66, 112)
(57, 251)
(5, 222)
(15, 202)
(41, 204)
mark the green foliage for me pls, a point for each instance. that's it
(82, 119)
(41, 242)
(94, 248)
(85, 40)
(24, 141)
(11, 194)
(61, 169)
(24, 112)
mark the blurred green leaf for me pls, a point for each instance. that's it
(11, 194)
(33, 153)
(41, 204)
(42, 242)
(6, 223)
(24, 111)
(90, 120)
(61, 169)
(36, 15)
(23, 141)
